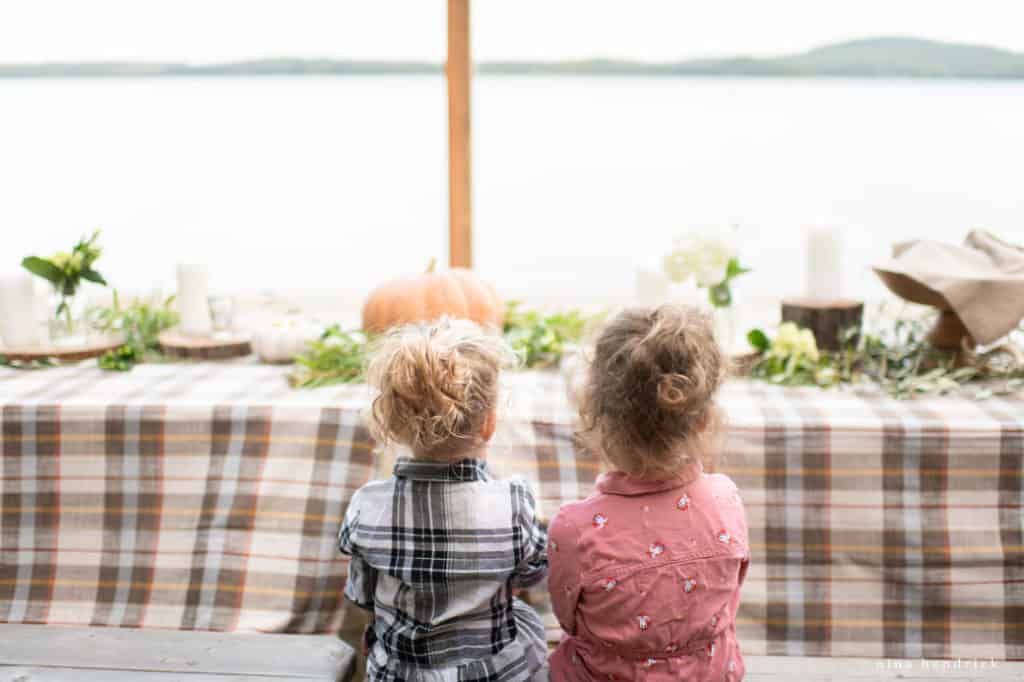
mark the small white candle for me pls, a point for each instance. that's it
(824, 263)
(18, 327)
(193, 300)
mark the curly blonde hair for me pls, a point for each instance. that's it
(437, 385)
(648, 404)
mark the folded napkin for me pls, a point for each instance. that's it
(981, 281)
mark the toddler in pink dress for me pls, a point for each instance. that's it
(645, 574)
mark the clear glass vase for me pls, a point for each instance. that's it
(66, 324)
(727, 328)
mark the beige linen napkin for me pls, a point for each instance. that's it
(982, 281)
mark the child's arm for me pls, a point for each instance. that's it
(362, 577)
(564, 583)
(531, 550)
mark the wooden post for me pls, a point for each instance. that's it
(459, 72)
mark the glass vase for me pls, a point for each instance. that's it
(66, 324)
(727, 328)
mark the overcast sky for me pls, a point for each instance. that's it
(214, 30)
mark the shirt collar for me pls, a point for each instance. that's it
(618, 483)
(427, 470)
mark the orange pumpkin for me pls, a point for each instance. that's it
(457, 293)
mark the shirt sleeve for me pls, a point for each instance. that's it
(532, 544)
(564, 583)
(362, 577)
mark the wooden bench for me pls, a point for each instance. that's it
(50, 653)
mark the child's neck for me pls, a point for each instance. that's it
(478, 452)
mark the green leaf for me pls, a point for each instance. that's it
(93, 276)
(720, 295)
(43, 268)
(759, 340)
(734, 269)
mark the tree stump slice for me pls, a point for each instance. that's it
(827, 319)
(175, 344)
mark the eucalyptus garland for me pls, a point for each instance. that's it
(896, 359)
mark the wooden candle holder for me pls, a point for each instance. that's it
(827, 319)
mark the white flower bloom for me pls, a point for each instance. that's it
(703, 255)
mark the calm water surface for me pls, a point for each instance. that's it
(330, 184)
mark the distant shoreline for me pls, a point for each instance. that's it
(539, 73)
(903, 58)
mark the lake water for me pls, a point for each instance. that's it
(329, 185)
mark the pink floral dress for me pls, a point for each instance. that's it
(645, 579)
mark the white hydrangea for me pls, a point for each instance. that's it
(704, 256)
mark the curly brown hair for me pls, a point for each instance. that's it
(648, 406)
(437, 386)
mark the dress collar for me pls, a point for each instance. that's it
(618, 483)
(427, 470)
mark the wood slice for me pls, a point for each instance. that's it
(827, 319)
(92, 348)
(178, 345)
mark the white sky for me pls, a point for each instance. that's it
(214, 30)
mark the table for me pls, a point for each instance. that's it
(207, 497)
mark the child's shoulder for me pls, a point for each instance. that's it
(576, 511)
(373, 490)
(719, 481)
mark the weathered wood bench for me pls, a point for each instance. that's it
(50, 653)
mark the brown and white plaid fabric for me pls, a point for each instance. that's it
(209, 497)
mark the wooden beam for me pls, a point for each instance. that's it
(459, 72)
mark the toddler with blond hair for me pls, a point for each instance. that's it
(439, 549)
(646, 572)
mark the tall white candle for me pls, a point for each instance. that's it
(824, 263)
(193, 300)
(18, 326)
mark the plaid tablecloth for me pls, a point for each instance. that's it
(208, 497)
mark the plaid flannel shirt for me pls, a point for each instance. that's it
(437, 551)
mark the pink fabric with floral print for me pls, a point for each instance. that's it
(645, 579)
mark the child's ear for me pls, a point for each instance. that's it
(489, 426)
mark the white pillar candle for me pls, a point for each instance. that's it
(18, 327)
(824, 263)
(193, 300)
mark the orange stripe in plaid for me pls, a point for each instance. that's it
(833, 505)
(937, 625)
(875, 549)
(890, 579)
(237, 513)
(170, 552)
(138, 584)
(185, 479)
(858, 472)
(199, 438)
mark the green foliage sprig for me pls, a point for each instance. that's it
(65, 271)
(141, 323)
(540, 339)
(41, 363)
(897, 359)
(340, 357)
(337, 357)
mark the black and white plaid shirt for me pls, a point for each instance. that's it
(437, 551)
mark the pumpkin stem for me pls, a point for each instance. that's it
(432, 266)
